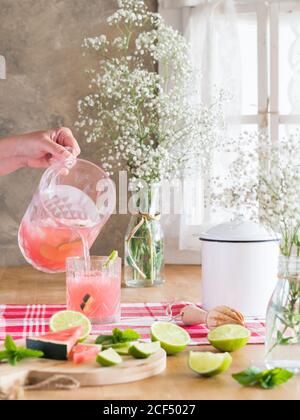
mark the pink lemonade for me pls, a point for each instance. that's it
(47, 247)
(95, 293)
(65, 215)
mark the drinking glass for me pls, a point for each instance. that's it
(95, 291)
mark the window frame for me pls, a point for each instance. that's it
(268, 117)
(268, 12)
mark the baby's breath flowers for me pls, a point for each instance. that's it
(144, 111)
(263, 184)
(140, 106)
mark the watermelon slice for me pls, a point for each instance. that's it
(84, 353)
(58, 345)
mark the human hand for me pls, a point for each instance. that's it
(37, 150)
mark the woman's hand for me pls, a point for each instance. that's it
(36, 150)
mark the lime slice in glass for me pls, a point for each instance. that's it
(173, 339)
(143, 350)
(209, 364)
(67, 319)
(229, 338)
(109, 357)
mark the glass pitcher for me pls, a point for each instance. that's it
(67, 213)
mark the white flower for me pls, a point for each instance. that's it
(264, 184)
(145, 121)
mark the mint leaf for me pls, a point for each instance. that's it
(28, 354)
(248, 377)
(124, 336)
(14, 354)
(118, 337)
(282, 340)
(4, 356)
(130, 335)
(9, 344)
(275, 377)
(104, 339)
(13, 360)
(267, 379)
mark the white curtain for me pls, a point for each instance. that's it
(211, 29)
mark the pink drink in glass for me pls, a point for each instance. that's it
(95, 292)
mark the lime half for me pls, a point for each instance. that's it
(173, 338)
(143, 350)
(109, 358)
(209, 364)
(67, 319)
(229, 338)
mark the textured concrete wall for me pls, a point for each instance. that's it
(41, 40)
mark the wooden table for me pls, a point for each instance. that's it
(23, 285)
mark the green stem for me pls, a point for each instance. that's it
(151, 245)
(133, 262)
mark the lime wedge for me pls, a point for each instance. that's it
(109, 358)
(143, 350)
(229, 338)
(123, 351)
(68, 319)
(209, 364)
(113, 256)
(121, 348)
(173, 339)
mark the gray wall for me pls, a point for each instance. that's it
(41, 41)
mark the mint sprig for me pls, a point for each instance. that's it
(13, 354)
(267, 379)
(118, 337)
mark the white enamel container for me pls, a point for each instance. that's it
(239, 263)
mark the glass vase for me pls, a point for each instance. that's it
(144, 242)
(283, 318)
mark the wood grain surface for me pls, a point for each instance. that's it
(25, 285)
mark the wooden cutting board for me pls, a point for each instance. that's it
(37, 370)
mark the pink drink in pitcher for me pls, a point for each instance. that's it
(95, 292)
(48, 247)
(66, 215)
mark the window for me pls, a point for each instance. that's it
(269, 37)
(270, 53)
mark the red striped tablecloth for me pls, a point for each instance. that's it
(21, 321)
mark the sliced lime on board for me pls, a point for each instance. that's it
(122, 348)
(173, 339)
(67, 319)
(109, 357)
(229, 338)
(209, 364)
(144, 350)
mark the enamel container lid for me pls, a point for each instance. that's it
(239, 231)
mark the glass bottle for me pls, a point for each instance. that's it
(283, 318)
